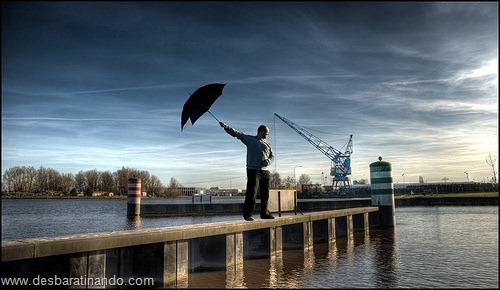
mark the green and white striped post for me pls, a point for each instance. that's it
(383, 191)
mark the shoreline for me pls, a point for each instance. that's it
(315, 204)
(404, 196)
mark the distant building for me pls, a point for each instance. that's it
(189, 191)
(420, 179)
(100, 193)
(225, 191)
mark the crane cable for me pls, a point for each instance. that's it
(275, 146)
(329, 134)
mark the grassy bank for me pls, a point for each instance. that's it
(450, 195)
(4, 196)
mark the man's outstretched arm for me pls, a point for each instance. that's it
(230, 130)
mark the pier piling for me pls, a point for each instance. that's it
(382, 191)
(134, 196)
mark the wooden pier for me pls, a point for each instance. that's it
(167, 255)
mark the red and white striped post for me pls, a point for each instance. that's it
(134, 196)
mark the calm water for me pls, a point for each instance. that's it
(431, 247)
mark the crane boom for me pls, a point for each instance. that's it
(341, 162)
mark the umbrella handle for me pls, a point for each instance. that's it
(213, 116)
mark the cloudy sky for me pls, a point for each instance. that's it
(101, 85)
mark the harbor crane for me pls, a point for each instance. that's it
(341, 162)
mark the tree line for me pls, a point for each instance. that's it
(27, 179)
(275, 181)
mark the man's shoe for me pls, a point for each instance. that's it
(267, 217)
(248, 219)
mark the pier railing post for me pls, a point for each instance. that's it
(78, 267)
(350, 227)
(91, 266)
(308, 234)
(276, 240)
(331, 231)
(366, 223)
(175, 264)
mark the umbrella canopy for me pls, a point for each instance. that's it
(199, 103)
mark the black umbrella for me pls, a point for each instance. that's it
(199, 103)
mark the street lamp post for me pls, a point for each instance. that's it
(295, 177)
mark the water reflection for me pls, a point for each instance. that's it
(234, 277)
(363, 252)
(291, 269)
(276, 272)
(309, 260)
(386, 259)
(332, 254)
(134, 222)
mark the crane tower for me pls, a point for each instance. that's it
(341, 162)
